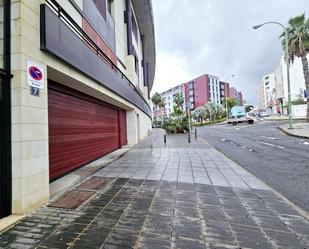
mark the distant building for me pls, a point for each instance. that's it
(261, 96)
(224, 91)
(197, 92)
(273, 88)
(239, 98)
(202, 90)
(234, 94)
(168, 100)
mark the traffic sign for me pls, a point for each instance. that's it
(305, 94)
(35, 75)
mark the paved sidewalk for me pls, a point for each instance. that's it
(177, 195)
(300, 130)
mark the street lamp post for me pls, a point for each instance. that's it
(287, 68)
(226, 109)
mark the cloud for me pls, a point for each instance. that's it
(216, 37)
(170, 71)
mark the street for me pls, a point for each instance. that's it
(279, 160)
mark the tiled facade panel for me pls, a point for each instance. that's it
(99, 41)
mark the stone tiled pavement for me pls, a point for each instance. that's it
(177, 195)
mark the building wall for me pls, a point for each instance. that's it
(297, 80)
(168, 100)
(30, 114)
(214, 89)
(224, 92)
(201, 91)
(261, 96)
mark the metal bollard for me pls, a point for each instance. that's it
(165, 138)
(195, 133)
(189, 138)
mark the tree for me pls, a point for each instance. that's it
(231, 102)
(200, 113)
(248, 108)
(297, 33)
(299, 100)
(178, 100)
(157, 102)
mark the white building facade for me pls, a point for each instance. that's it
(273, 89)
(168, 100)
(214, 89)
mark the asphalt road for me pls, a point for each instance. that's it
(279, 160)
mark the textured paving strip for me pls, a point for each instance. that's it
(71, 199)
(180, 195)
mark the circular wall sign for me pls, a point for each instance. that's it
(35, 73)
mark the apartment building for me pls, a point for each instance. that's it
(203, 89)
(224, 91)
(82, 71)
(268, 89)
(197, 92)
(273, 88)
(168, 97)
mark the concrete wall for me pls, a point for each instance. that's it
(30, 114)
(297, 80)
(299, 111)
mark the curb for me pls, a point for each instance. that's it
(284, 130)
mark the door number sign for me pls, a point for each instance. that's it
(35, 77)
(35, 91)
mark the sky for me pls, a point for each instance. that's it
(194, 37)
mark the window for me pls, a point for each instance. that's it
(136, 65)
(134, 28)
(110, 6)
(101, 6)
(267, 83)
(191, 92)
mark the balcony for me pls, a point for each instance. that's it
(62, 37)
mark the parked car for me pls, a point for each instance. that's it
(263, 114)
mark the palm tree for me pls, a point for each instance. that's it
(298, 42)
(157, 102)
(178, 100)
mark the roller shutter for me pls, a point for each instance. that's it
(81, 129)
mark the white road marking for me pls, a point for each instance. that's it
(306, 143)
(271, 138)
(272, 145)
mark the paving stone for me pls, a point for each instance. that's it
(171, 213)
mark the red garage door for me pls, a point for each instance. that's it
(123, 127)
(81, 129)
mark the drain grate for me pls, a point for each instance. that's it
(72, 199)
